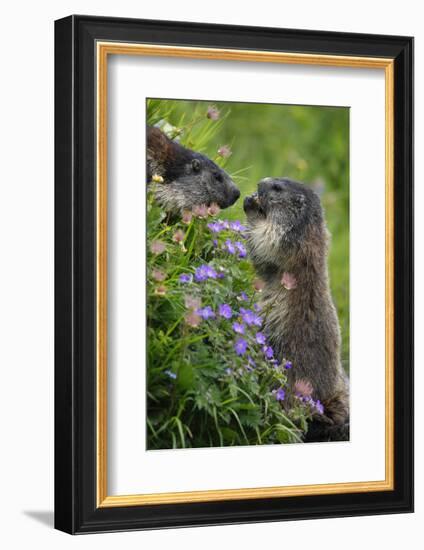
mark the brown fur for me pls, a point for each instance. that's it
(287, 234)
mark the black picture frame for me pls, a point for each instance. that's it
(76, 510)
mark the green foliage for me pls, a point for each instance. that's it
(203, 390)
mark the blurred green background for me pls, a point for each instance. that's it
(305, 143)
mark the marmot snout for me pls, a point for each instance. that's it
(189, 178)
(288, 241)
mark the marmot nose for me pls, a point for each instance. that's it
(234, 195)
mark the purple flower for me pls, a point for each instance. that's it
(260, 338)
(229, 247)
(319, 406)
(268, 352)
(186, 278)
(247, 315)
(215, 243)
(240, 346)
(257, 307)
(241, 249)
(225, 311)
(215, 227)
(251, 361)
(205, 272)
(237, 226)
(288, 365)
(280, 394)
(250, 318)
(211, 272)
(244, 297)
(238, 327)
(171, 374)
(206, 313)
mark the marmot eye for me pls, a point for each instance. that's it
(218, 177)
(195, 164)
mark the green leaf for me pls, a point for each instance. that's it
(185, 377)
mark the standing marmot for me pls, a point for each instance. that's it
(288, 241)
(189, 179)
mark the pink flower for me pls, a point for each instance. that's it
(201, 211)
(258, 284)
(186, 216)
(303, 387)
(160, 290)
(212, 112)
(157, 247)
(178, 236)
(192, 319)
(213, 209)
(158, 275)
(224, 151)
(192, 302)
(288, 280)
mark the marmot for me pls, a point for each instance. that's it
(189, 179)
(288, 241)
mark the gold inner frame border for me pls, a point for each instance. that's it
(103, 50)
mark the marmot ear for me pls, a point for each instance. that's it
(196, 165)
(158, 145)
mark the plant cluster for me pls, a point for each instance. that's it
(212, 377)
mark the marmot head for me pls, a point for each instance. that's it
(285, 226)
(189, 178)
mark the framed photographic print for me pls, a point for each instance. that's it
(234, 274)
